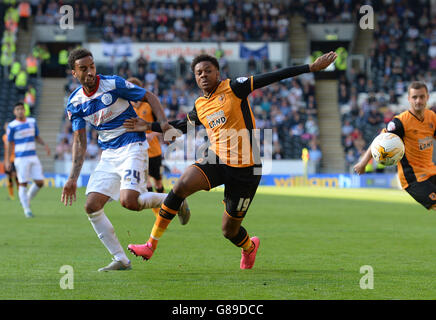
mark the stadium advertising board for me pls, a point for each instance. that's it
(233, 51)
(276, 180)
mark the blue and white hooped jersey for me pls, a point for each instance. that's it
(22, 134)
(106, 109)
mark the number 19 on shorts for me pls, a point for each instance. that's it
(243, 204)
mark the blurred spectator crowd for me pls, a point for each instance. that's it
(403, 50)
(179, 20)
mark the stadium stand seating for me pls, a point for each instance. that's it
(9, 93)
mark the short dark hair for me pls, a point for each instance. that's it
(417, 85)
(204, 57)
(77, 54)
(19, 103)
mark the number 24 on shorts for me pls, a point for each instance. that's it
(136, 175)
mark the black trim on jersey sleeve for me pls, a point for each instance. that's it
(182, 125)
(399, 128)
(242, 87)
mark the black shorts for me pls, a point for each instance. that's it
(155, 167)
(240, 185)
(13, 170)
(424, 192)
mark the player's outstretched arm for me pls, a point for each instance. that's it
(359, 167)
(157, 109)
(79, 152)
(323, 62)
(140, 125)
(268, 78)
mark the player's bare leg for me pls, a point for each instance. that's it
(191, 181)
(105, 231)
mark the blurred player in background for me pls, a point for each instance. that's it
(104, 102)
(144, 111)
(225, 112)
(22, 134)
(417, 128)
(12, 173)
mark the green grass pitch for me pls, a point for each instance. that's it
(313, 243)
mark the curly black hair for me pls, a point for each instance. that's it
(77, 54)
(204, 57)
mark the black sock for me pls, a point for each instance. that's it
(172, 201)
(241, 238)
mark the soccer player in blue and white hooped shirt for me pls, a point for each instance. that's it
(22, 133)
(104, 102)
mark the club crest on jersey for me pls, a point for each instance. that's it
(222, 99)
(106, 99)
(216, 119)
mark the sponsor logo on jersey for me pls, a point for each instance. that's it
(101, 116)
(242, 79)
(216, 119)
(425, 143)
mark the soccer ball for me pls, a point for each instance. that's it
(387, 149)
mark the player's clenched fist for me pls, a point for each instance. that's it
(69, 192)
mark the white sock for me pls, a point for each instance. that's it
(33, 190)
(106, 233)
(22, 193)
(149, 200)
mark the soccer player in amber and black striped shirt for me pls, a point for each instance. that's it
(417, 128)
(232, 157)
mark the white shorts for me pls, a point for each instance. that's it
(118, 169)
(28, 169)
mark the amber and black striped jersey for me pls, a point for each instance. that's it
(227, 116)
(417, 135)
(145, 112)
